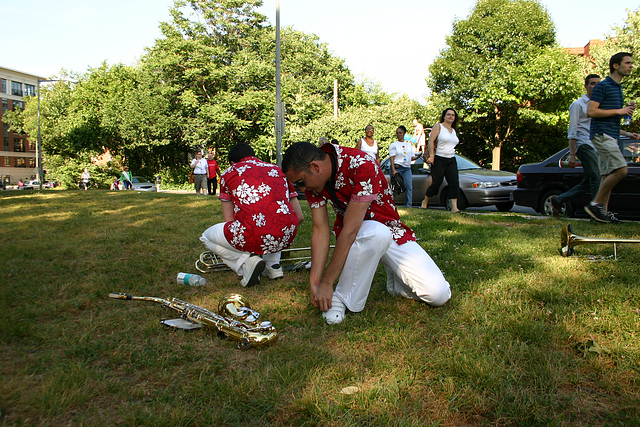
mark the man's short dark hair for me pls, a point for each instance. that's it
(617, 59)
(299, 155)
(240, 151)
(589, 77)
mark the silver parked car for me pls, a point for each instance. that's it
(140, 183)
(478, 186)
(31, 185)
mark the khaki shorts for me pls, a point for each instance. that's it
(200, 182)
(610, 157)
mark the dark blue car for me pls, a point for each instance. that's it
(537, 182)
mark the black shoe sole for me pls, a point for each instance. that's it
(255, 276)
(592, 215)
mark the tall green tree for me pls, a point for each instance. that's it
(625, 38)
(215, 66)
(349, 127)
(208, 82)
(502, 70)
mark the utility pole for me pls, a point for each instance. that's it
(279, 107)
(336, 113)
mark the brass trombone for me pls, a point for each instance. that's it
(208, 261)
(568, 240)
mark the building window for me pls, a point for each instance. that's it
(5, 105)
(7, 161)
(18, 104)
(32, 162)
(32, 146)
(16, 89)
(6, 143)
(29, 90)
(3, 85)
(18, 145)
(20, 163)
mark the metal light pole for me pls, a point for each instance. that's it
(279, 107)
(39, 143)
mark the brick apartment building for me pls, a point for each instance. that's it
(585, 50)
(18, 152)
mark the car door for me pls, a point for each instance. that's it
(626, 195)
(421, 173)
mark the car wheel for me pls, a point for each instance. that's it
(546, 208)
(504, 207)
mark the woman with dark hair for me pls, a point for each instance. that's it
(368, 144)
(442, 149)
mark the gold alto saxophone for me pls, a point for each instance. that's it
(235, 318)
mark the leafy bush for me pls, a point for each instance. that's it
(67, 171)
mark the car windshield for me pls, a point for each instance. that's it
(631, 151)
(139, 180)
(463, 164)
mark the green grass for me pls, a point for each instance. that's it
(511, 347)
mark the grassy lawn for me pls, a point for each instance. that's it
(529, 337)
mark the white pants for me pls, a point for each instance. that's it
(410, 270)
(214, 239)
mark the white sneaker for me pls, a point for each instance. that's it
(251, 270)
(273, 272)
(336, 313)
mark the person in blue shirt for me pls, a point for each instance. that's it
(580, 145)
(606, 106)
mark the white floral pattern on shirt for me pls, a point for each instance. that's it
(264, 219)
(260, 219)
(359, 177)
(367, 188)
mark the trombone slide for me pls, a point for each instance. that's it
(568, 241)
(208, 261)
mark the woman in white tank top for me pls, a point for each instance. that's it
(368, 144)
(442, 158)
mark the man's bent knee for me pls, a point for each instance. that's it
(440, 295)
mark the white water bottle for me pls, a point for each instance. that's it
(191, 279)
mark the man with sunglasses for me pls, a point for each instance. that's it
(368, 231)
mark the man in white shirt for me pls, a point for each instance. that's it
(402, 154)
(580, 144)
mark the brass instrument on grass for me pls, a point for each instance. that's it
(568, 240)
(208, 261)
(235, 318)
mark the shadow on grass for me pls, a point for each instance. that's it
(502, 351)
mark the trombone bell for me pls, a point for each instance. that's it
(568, 241)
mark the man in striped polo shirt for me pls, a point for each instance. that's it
(606, 106)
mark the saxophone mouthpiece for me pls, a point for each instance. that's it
(119, 296)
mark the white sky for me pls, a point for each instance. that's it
(391, 42)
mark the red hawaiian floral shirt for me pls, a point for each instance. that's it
(264, 219)
(359, 178)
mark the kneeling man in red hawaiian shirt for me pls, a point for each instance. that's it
(261, 213)
(368, 231)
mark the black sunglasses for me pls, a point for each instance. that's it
(301, 182)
